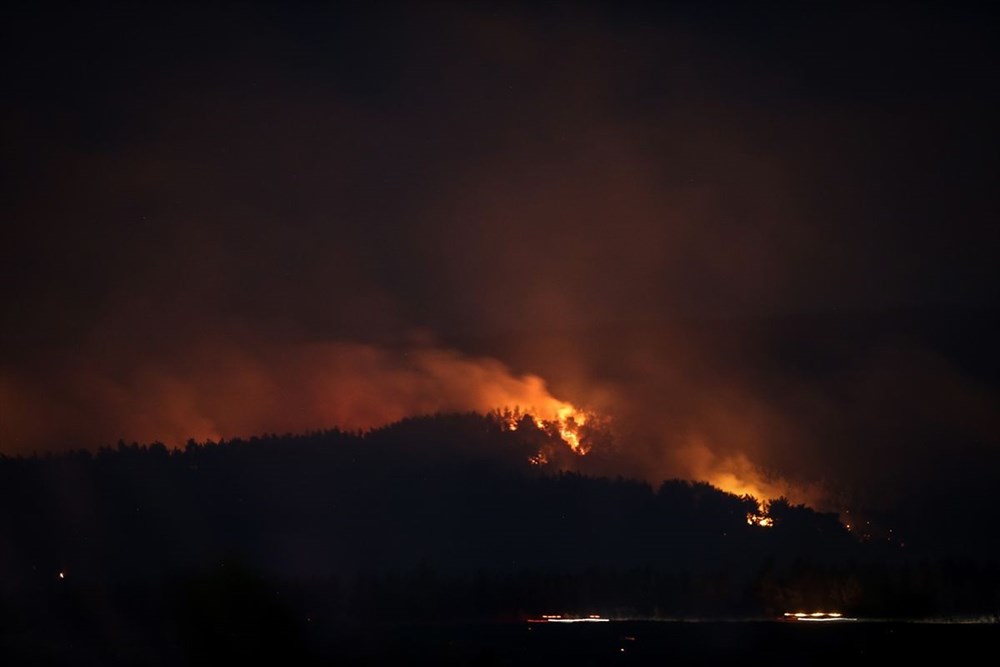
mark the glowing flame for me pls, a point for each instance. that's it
(214, 391)
(569, 420)
(538, 459)
(760, 518)
(562, 420)
(736, 475)
(734, 472)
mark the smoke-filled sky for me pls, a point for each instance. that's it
(762, 240)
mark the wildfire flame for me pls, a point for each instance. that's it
(562, 420)
(735, 473)
(222, 390)
(760, 518)
(569, 420)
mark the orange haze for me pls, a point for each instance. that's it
(213, 392)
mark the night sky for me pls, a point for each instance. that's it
(762, 240)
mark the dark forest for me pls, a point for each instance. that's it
(429, 520)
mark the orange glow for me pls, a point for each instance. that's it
(569, 421)
(734, 472)
(538, 459)
(760, 519)
(564, 423)
(230, 389)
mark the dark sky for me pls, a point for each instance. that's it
(763, 239)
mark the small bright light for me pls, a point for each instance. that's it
(760, 519)
(817, 616)
(62, 575)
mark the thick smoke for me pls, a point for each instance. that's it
(633, 208)
(228, 390)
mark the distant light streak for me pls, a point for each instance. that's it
(817, 616)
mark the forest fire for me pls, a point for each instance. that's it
(735, 473)
(569, 421)
(816, 616)
(564, 424)
(729, 484)
(760, 518)
(188, 394)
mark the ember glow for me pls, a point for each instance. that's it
(760, 519)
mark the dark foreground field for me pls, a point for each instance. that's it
(673, 643)
(614, 643)
(431, 541)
